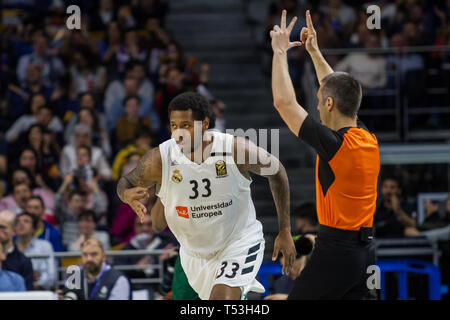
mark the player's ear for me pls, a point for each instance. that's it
(205, 123)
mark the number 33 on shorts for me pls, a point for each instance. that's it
(228, 270)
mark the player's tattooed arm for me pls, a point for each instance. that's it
(132, 187)
(251, 158)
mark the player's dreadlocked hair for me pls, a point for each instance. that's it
(192, 100)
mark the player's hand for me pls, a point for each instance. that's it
(308, 35)
(132, 196)
(280, 35)
(285, 244)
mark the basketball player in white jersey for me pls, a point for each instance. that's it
(204, 186)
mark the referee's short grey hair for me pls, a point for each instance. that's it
(345, 91)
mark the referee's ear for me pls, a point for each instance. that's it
(330, 104)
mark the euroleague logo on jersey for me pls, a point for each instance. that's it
(182, 212)
(221, 169)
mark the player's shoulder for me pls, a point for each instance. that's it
(152, 156)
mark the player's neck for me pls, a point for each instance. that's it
(202, 152)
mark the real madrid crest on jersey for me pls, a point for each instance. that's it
(176, 176)
(221, 169)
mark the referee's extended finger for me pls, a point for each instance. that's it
(309, 20)
(291, 25)
(283, 19)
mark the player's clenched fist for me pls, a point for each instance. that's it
(133, 196)
(280, 35)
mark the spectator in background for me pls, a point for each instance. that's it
(24, 122)
(103, 16)
(130, 49)
(307, 226)
(156, 9)
(23, 175)
(67, 212)
(156, 41)
(21, 194)
(123, 226)
(368, 68)
(305, 219)
(116, 89)
(100, 136)
(52, 67)
(44, 142)
(38, 114)
(15, 260)
(20, 97)
(96, 121)
(434, 227)
(45, 117)
(392, 216)
(108, 48)
(128, 125)
(49, 154)
(341, 16)
(27, 243)
(172, 84)
(145, 239)
(112, 284)
(403, 62)
(9, 280)
(87, 224)
(83, 136)
(85, 74)
(131, 88)
(44, 230)
(70, 201)
(435, 231)
(143, 142)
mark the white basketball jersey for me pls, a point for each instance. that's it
(206, 205)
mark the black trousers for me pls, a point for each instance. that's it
(337, 268)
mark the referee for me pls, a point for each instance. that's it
(346, 175)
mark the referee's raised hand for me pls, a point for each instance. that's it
(308, 35)
(280, 35)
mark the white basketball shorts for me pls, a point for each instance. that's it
(236, 266)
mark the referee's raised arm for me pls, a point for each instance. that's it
(282, 89)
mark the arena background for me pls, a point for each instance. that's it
(222, 50)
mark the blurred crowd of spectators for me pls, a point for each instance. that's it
(404, 23)
(78, 108)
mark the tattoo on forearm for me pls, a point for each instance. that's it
(139, 177)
